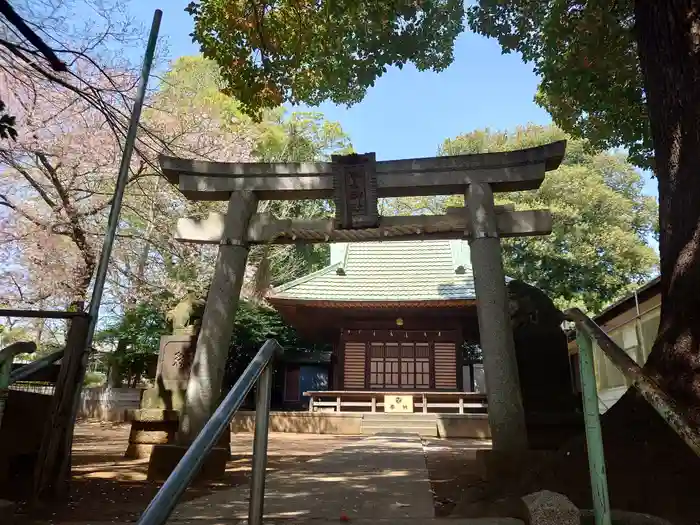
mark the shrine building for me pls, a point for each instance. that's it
(396, 314)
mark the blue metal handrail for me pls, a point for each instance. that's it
(164, 502)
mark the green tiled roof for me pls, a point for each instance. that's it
(430, 270)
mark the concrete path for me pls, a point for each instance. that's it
(378, 479)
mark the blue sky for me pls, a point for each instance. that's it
(409, 113)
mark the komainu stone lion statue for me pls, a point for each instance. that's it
(187, 314)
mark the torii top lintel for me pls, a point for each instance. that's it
(505, 171)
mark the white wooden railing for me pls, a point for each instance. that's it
(373, 401)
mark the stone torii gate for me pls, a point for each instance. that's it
(355, 182)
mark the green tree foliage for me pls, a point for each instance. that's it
(137, 336)
(10, 334)
(255, 323)
(308, 51)
(137, 339)
(299, 137)
(291, 51)
(586, 57)
(602, 221)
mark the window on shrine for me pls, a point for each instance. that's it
(399, 366)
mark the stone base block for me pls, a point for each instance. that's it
(498, 464)
(475, 426)
(138, 451)
(343, 423)
(151, 427)
(152, 435)
(155, 415)
(550, 508)
(164, 459)
(164, 396)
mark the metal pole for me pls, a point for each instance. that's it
(641, 347)
(122, 178)
(262, 428)
(594, 436)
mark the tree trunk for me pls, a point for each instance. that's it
(668, 39)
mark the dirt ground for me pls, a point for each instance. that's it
(108, 488)
(452, 470)
(649, 470)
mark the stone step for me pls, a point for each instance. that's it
(398, 422)
(408, 428)
(421, 431)
(394, 421)
(408, 416)
(424, 425)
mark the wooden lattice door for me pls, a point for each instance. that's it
(399, 366)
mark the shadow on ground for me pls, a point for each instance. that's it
(107, 487)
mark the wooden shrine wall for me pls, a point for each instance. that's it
(400, 360)
(445, 366)
(355, 357)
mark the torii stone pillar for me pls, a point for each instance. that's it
(505, 405)
(206, 376)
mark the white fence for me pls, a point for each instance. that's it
(107, 404)
(34, 388)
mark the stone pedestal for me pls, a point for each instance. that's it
(151, 427)
(154, 427)
(175, 358)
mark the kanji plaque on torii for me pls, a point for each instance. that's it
(355, 191)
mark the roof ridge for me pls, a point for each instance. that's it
(345, 256)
